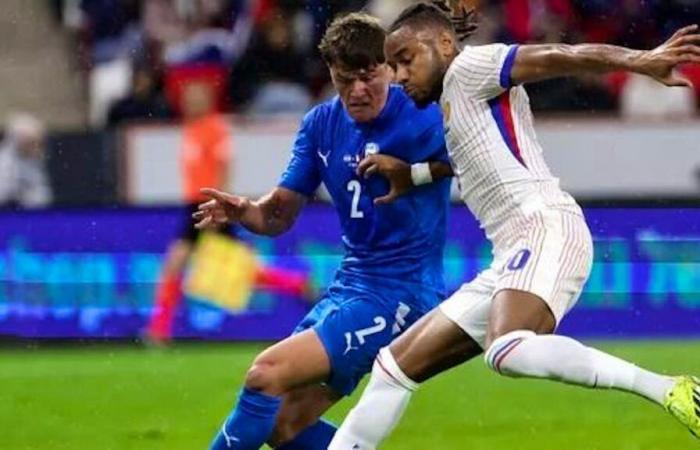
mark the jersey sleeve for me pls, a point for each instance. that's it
(483, 72)
(302, 174)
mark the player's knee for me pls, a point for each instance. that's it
(263, 377)
(500, 348)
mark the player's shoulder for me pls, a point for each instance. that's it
(474, 57)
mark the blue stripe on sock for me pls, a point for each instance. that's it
(496, 353)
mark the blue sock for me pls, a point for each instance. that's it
(250, 424)
(316, 437)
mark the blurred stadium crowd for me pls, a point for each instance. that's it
(260, 55)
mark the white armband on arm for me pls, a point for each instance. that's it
(420, 174)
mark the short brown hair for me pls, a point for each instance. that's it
(355, 41)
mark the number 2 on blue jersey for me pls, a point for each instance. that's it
(355, 187)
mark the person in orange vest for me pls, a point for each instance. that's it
(204, 161)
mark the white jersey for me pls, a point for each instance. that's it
(491, 140)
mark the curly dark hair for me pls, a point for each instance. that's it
(449, 15)
(355, 41)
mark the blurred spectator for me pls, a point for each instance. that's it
(272, 75)
(108, 82)
(268, 46)
(162, 23)
(112, 27)
(206, 143)
(145, 102)
(645, 98)
(527, 21)
(217, 32)
(23, 178)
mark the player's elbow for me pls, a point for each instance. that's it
(277, 226)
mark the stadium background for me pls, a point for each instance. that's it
(104, 80)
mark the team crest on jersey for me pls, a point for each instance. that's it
(372, 148)
(446, 115)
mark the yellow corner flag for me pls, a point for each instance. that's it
(222, 272)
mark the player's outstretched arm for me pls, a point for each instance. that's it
(271, 215)
(539, 62)
(402, 176)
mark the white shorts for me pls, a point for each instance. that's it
(551, 258)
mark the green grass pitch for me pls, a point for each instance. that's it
(123, 398)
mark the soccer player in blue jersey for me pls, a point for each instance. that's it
(392, 271)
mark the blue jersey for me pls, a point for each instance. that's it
(402, 242)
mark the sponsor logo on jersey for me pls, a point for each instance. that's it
(324, 157)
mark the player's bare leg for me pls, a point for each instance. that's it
(520, 344)
(169, 292)
(431, 346)
(296, 362)
(301, 409)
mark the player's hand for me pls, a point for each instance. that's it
(661, 63)
(396, 171)
(222, 209)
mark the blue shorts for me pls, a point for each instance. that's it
(354, 324)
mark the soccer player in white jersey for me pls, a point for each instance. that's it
(542, 247)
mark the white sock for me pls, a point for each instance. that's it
(380, 408)
(524, 354)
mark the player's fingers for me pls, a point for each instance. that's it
(199, 215)
(216, 194)
(688, 59)
(683, 31)
(365, 164)
(686, 49)
(211, 204)
(386, 199)
(688, 39)
(371, 170)
(204, 223)
(677, 80)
